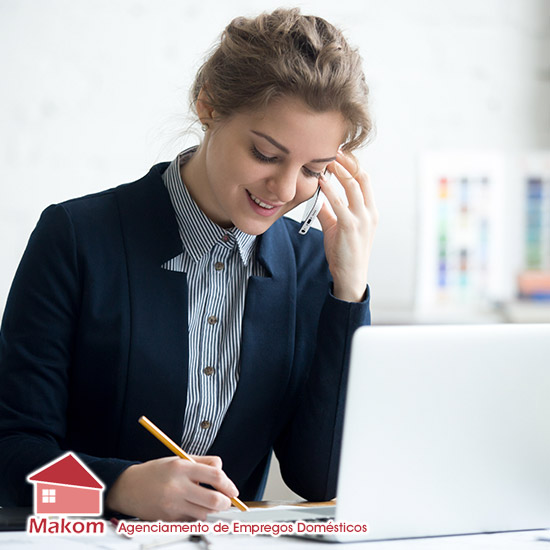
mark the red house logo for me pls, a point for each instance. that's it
(66, 486)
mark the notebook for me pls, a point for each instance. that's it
(446, 432)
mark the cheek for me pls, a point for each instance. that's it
(239, 168)
(306, 189)
(224, 169)
(252, 172)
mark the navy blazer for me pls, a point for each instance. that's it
(94, 335)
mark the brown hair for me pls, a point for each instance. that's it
(285, 53)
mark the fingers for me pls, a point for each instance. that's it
(353, 170)
(213, 476)
(194, 512)
(347, 213)
(357, 185)
(172, 489)
(326, 217)
(214, 461)
(352, 188)
(205, 501)
(351, 164)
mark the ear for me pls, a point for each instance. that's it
(204, 109)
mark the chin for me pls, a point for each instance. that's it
(253, 227)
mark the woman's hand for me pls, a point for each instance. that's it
(348, 229)
(168, 489)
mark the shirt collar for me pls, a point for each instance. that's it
(198, 232)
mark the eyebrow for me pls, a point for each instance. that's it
(284, 149)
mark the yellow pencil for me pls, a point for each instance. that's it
(177, 450)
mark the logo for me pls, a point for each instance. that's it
(66, 487)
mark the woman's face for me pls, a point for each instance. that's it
(257, 166)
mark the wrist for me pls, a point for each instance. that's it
(349, 294)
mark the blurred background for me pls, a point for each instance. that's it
(94, 93)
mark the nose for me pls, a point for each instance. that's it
(283, 184)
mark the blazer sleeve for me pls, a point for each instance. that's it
(37, 338)
(309, 447)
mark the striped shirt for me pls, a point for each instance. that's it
(218, 263)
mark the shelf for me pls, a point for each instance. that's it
(524, 311)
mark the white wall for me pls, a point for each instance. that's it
(93, 93)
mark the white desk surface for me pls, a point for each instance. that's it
(20, 540)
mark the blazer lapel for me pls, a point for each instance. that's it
(266, 351)
(158, 355)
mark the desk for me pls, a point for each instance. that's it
(20, 540)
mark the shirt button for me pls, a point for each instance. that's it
(209, 371)
(218, 266)
(225, 238)
(205, 424)
(212, 320)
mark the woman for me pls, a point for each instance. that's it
(186, 297)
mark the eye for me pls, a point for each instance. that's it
(260, 157)
(311, 173)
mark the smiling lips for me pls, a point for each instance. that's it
(262, 208)
(259, 202)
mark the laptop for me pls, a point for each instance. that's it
(446, 432)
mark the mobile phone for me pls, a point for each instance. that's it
(312, 209)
